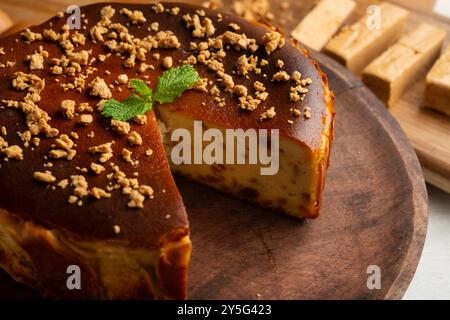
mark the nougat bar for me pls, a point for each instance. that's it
(394, 71)
(357, 45)
(316, 29)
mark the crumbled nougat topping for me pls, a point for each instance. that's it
(135, 16)
(57, 154)
(121, 127)
(167, 40)
(46, 176)
(37, 119)
(259, 86)
(116, 229)
(246, 64)
(239, 41)
(81, 57)
(105, 150)
(268, 114)
(37, 59)
(99, 193)
(307, 113)
(68, 108)
(158, 8)
(123, 78)
(175, 11)
(227, 82)
(140, 119)
(63, 183)
(167, 62)
(240, 90)
(201, 85)
(201, 28)
(31, 36)
(272, 41)
(280, 64)
(298, 92)
(64, 142)
(85, 119)
(136, 199)
(249, 103)
(296, 112)
(134, 138)
(126, 155)
(146, 190)
(281, 76)
(80, 189)
(97, 168)
(234, 26)
(12, 152)
(29, 82)
(99, 88)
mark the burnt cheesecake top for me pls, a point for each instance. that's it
(65, 166)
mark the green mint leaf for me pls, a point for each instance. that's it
(141, 88)
(127, 109)
(173, 82)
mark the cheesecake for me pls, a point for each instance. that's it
(89, 208)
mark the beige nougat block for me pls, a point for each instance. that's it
(394, 71)
(437, 92)
(357, 45)
(322, 22)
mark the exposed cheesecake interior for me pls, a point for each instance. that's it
(295, 189)
(98, 193)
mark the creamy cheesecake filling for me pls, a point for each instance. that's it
(109, 262)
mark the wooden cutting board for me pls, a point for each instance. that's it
(374, 214)
(429, 131)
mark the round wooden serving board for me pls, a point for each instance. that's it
(374, 213)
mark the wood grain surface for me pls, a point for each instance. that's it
(374, 213)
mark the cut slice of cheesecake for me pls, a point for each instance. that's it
(88, 205)
(295, 187)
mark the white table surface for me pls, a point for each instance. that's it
(432, 279)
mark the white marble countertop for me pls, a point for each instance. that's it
(432, 279)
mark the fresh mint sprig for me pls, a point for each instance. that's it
(171, 85)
